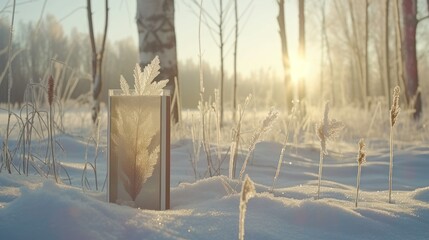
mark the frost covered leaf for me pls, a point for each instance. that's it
(124, 86)
(155, 88)
(144, 83)
(150, 72)
(138, 80)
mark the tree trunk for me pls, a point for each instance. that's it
(97, 59)
(409, 9)
(301, 16)
(322, 47)
(358, 53)
(285, 55)
(365, 75)
(157, 37)
(234, 95)
(221, 46)
(386, 52)
(399, 54)
(325, 44)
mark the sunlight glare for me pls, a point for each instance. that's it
(299, 69)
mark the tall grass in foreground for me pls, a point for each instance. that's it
(361, 159)
(95, 140)
(236, 137)
(247, 192)
(279, 164)
(216, 106)
(34, 124)
(394, 112)
(6, 154)
(51, 124)
(196, 144)
(266, 125)
(326, 130)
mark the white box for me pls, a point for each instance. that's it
(139, 150)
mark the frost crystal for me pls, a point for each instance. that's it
(144, 83)
(328, 129)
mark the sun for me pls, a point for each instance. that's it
(299, 69)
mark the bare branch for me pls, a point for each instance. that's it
(106, 23)
(421, 19)
(71, 13)
(91, 29)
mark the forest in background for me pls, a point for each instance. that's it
(46, 49)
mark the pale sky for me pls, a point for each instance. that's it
(259, 42)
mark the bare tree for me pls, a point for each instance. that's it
(365, 75)
(97, 58)
(285, 54)
(399, 57)
(301, 16)
(325, 44)
(234, 94)
(386, 51)
(358, 52)
(157, 37)
(222, 58)
(409, 9)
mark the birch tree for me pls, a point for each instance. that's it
(157, 37)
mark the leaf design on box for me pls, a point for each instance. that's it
(132, 136)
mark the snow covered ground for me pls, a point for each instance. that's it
(34, 207)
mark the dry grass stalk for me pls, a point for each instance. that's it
(394, 112)
(6, 154)
(327, 129)
(216, 107)
(279, 163)
(51, 87)
(236, 138)
(361, 159)
(247, 192)
(265, 126)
